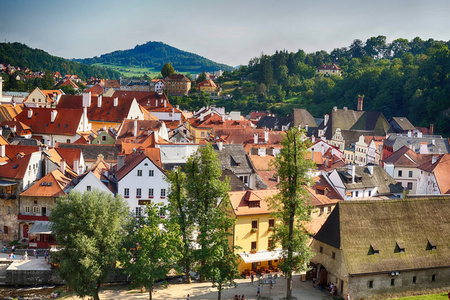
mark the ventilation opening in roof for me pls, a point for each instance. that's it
(431, 245)
(399, 247)
(373, 250)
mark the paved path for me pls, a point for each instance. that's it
(197, 291)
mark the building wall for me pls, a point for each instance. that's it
(91, 182)
(427, 184)
(52, 139)
(403, 284)
(405, 177)
(33, 172)
(8, 217)
(36, 99)
(145, 182)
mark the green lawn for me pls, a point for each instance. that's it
(134, 71)
(426, 297)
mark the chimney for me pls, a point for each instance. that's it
(353, 173)
(325, 119)
(312, 154)
(2, 150)
(165, 103)
(220, 146)
(85, 119)
(62, 166)
(255, 138)
(431, 131)
(335, 108)
(313, 139)
(423, 148)
(306, 128)
(360, 102)
(419, 134)
(116, 101)
(409, 133)
(135, 128)
(156, 136)
(87, 99)
(30, 113)
(99, 101)
(173, 113)
(76, 166)
(120, 161)
(433, 142)
(433, 158)
(345, 108)
(53, 115)
(266, 136)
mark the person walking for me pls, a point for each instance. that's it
(258, 291)
(252, 277)
(35, 253)
(188, 297)
(46, 255)
(13, 248)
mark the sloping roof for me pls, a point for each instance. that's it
(16, 168)
(246, 135)
(235, 183)
(340, 118)
(373, 121)
(322, 193)
(328, 67)
(441, 172)
(405, 157)
(403, 123)
(354, 225)
(270, 122)
(436, 144)
(240, 202)
(69, 155)
(126, 131)
(234, 158)
(66, 121)
(380, 178)
(301, 117)
(176, 77)
(9, 111)
(132, 160)
(51, 185)
(148, 100)
(91, 152)
(208, 82)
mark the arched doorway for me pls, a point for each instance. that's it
(25, 231)
(323, 276)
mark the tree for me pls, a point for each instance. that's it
(89, 227)
(180, 210)
(291, 205)
(151, 249)
(167, 70)
(48, 82)
(201, 77)
(205, 190)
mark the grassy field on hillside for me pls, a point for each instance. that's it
(134, 71)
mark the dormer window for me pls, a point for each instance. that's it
(399, 247)
(253, 204)
(431, 245)
(374, 250)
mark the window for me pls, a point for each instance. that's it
(27, 209)
(409, 187)
(356, 193)
(255, 224)
(371, 284)
(163, 193)
(271, 222)
(370, 193)
(126, 192)
(162, 212)
(253, 204)
(410, 173)
(138, 211)
(329, 209)
(5, 229)
(431, 245)
(433, 277)
(414, 279)
(270, 244)
(392, 282)
(203, 134)
(374, 250)
(139, 173)
(321, 249)
(150, 193)
(150, 173)
(321, 211)
(89, 188)
(333, 255)
(103, 138)
(400, 173)
(138, 193)
(253, 245)
(36, 209)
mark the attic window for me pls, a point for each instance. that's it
(431, 245)
(50, 184)
(374, 250)
(254, 204)
(65, 126)
(399, 247)
(15, 166)
(44, 183)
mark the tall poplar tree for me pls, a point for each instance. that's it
(291, 204)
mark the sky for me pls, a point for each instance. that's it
(225, 31)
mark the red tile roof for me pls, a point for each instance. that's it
(66, 121)
(132, 160)
(240, 202)
(328, 67)
(207, 83)
(148, 100)
(16, 168)
(69, 155)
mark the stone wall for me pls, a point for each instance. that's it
(32, 277)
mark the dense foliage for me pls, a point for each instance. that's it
(89, 229)
(155, 55)
(20, 55)
(403, 78)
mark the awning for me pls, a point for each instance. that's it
(7, 183)
(264, 255)
(41, 227)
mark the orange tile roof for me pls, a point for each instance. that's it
(441, 172)
(69, 155)
(240, 202)
(16, 168)
(51, 185)
(8, 111)
(208, 83)
(317, 192)
(148, 100)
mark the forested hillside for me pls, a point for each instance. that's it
(20, 55)
(155, 55)
(402, 78)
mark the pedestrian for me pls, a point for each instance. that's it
(243, 297)
(46, 254)
(25, 255)
(252, 277)
(348, 296)
(188, 297)
(35, 253)
(258, 291)
(13, 248)
(11, 256)
(314, 282)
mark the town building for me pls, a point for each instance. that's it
(177, 85)
(328, 70)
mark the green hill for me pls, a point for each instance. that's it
(20, 55)
(153, 55)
